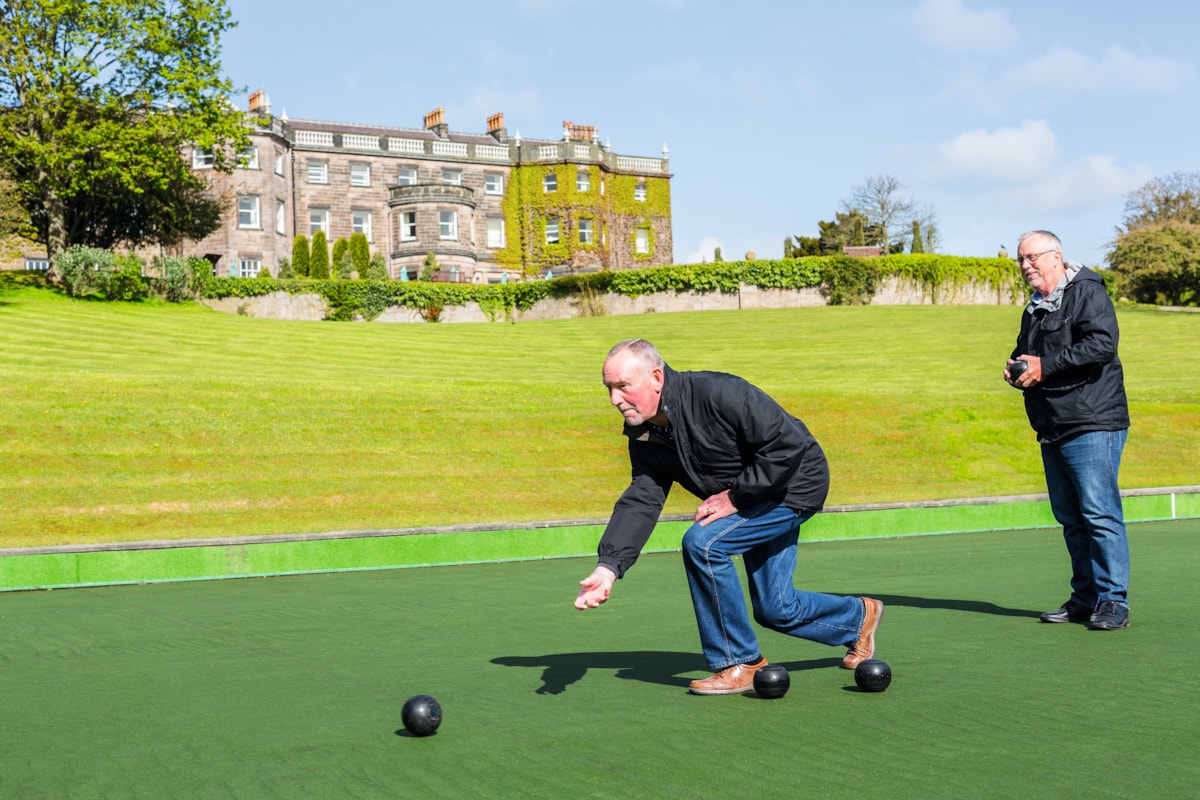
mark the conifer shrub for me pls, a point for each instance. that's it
(318, 262)
(301, 254)
(340, 246)
(360, 249)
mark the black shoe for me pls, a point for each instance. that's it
(1110, 616)
(1071, 611)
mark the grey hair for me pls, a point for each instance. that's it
(1047, 235)
(644, 351)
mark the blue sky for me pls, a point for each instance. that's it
(1000, 116)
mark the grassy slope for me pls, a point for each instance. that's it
(131, 422)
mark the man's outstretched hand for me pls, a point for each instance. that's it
(595, 588)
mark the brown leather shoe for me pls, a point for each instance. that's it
(864, 648)
(731, 680)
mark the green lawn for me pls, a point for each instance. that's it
(292, 687)
(133, 422)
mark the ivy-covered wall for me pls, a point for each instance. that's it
(840, 279)
(608, 201)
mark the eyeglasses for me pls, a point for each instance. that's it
(1033, 258)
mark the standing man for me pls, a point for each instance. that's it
(1075, 399)
(759, 475)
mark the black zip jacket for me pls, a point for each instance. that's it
(1083, 384)
(727, 434)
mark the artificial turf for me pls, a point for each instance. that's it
(292, 687)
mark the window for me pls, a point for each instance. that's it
(360, 221)
(250, 268)
(318, 172)
(37, 264)
(583, 182)
(585, 231)
(280, 217)
(448, 224)
(279, 163)
(248, 158)
(552, 230)
(639, 193)
(550, 182)
(408, 226)
(495, 232)
(408, 176)
(453, 177)
(202, 158)
(360, 174)
(318, 220)
(493, 183)
(248, 211)
(642, 242)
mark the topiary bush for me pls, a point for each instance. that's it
(318, 262)
(340, 246)
(360, 250)
(301, 255)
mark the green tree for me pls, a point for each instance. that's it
(1175, 197)
(1159, 263)
(340, 246)
(301, 255)
(841, 232)
(14, 219)
(429, 266)
(799, 246)
(99, 101)
(1156, 255)
(360, 250)
(377, 268)
(285, 271)
(345, 265)
(916, 246)
(318, 262)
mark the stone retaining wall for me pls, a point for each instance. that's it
(282, 305)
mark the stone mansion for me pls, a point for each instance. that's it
(490, 207)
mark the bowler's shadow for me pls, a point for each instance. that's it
(560, 670)
(973, 606)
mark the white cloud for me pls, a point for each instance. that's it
(1022, 168)
(1117, 68)
(1008, 154)
(1092, 181)
(702, 252)
(951, 26)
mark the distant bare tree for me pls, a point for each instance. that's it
(885, 203)
(883, 200)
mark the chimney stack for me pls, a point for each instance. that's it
(495, 127)
(259, 103)
(436, 121)
(579, 133)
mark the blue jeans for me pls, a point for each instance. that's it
(1081, 477)
(765, 536)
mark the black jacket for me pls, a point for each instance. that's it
(1083, 385)
(727, 434)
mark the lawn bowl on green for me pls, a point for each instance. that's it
(873, 675)
(772, 681)
(421, 715)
